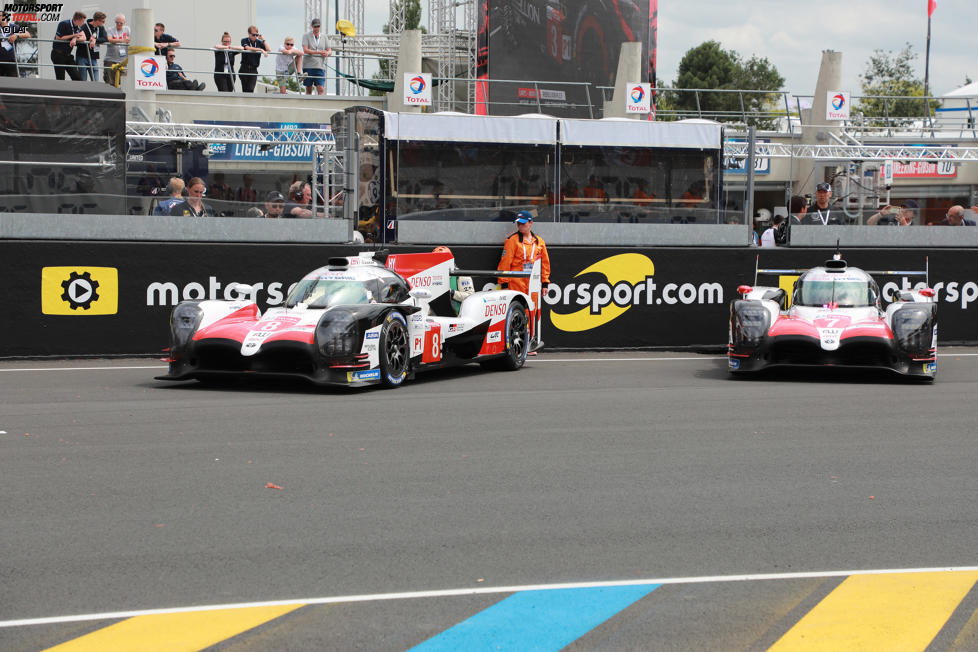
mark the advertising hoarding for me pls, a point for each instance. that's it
(541, 41)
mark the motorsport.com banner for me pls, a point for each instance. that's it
(101, 298)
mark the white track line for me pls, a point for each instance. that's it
(447, 593)
(534, 360)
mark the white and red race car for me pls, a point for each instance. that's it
(834, 319)
(362, 320)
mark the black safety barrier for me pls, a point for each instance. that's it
(114, 298)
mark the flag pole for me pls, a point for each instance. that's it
(927, 64)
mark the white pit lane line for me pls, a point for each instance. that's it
(448, 593)
(529, 361)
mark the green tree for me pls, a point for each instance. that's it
(412, 20)
(890, 82)
(709, 66)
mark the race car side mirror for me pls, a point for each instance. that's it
(744, 290)
(927, 292)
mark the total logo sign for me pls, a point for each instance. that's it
(150, 73)
(837, 105)
(639, 98)
(613, 286)
(417, 88)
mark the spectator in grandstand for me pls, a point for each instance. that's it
(288, 62)
(86, 55)
(300, 201)
(175, 189)
(820, 211)
(255, 48)
(520, 251)
(570, 194)
(224, 63)
(67, 35)
(768, 238)
(246, 193)
(163, 41)
(274, 204)
(955, 217)
(642, 196)
(193, 205)
(693, 195)
(175, 79)
(902, 215)
(115, 52)
(9, 33)
(797, 209)
(594, 189)
(220, 190)
(315, 47)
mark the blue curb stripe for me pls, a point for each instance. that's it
(537, 620)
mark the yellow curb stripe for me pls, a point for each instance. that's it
(880, 612)
(177, 632)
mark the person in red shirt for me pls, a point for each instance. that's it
(520, 251)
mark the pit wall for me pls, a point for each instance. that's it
(600, 297)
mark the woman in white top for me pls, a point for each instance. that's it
(287, 62)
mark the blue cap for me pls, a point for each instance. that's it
(523, 217)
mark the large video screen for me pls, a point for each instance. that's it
(554, 41)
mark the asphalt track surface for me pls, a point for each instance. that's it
(379, 519)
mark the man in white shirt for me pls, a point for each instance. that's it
(116, 50)
(767, 238)
(315, 47)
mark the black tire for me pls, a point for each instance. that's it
(517, 341)
(395, 350)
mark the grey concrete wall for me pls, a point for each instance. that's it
(28, 226)
(884, 236)
(435, 233)
(187, 106)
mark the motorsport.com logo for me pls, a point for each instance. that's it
(30, 12)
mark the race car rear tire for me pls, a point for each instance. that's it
(517, 341)
(395, 350)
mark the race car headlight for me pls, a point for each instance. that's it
(913, 328)
(184, 321)
(750, 322)
(337, 334)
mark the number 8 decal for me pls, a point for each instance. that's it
(435, 346)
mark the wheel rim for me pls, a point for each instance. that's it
(517, 333)
(396, 349)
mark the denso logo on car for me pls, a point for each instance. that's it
(496, 309)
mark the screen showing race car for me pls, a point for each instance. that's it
(559, 44)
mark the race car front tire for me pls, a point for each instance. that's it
(395, 350)
(517, 341)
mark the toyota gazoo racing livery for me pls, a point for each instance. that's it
(834, 319)
(357, 322)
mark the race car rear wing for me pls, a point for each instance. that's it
(888, 272)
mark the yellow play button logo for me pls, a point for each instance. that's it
(79, 290)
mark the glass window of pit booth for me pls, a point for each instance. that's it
(473, 181)
(638, 184)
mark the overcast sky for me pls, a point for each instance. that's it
(790, 33)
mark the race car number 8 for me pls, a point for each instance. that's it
(435, 346)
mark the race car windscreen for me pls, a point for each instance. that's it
(842, 293)
(323, 293)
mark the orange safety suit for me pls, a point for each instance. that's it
(519, 254)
